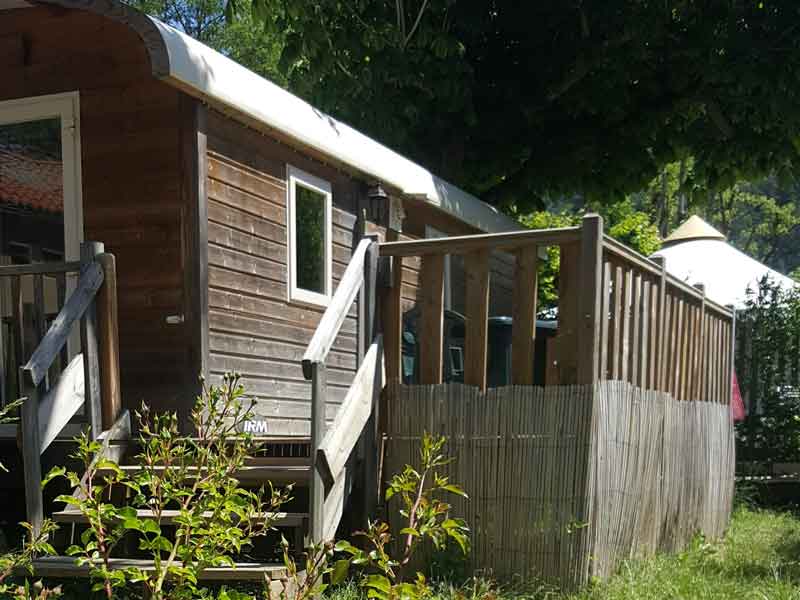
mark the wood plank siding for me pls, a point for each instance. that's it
(138, 195)
(253, 328)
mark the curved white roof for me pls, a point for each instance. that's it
(726, 272)
(215, 77)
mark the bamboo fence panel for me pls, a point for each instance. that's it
(565, 482)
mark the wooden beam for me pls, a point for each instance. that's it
(58, 333)
(194, 196)
(352, 417)
(605, 320)
(108, 329)
(523, 330)
(565, 349)
(476, 266)
(488, 241)
(316, 509)
(89, 344)
(337, 310)
(61, 402)
(661, 323)
(589, 301)
(392, 319)
(46, 268)
(431, 321)
(31, 456)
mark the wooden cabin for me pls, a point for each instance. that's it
(189, 168)
(187, 217)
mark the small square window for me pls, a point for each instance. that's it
(309, 206)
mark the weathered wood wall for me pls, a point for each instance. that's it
(135, 192)
(253, 329)
(566, 481)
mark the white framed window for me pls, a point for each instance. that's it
(309, 206)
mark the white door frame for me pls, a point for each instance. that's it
(66, 107)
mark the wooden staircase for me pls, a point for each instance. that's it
(323, 468)
(280, 462)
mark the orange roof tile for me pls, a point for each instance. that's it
(30, 182)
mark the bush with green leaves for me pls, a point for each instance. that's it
(768, 368)
(212, 517)
(216, 518)
(35, 543)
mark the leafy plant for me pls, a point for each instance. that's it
(36, 543)
(426, 519)
(194, 478)
(768, 339)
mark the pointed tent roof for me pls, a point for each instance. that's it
(693, 228)
(698, 253)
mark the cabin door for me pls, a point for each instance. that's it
(40, 209)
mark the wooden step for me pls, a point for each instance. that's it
(65, 567)
(282, 519)
(283, 474)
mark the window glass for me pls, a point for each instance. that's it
(310, 238)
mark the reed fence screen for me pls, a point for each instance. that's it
(564, 482)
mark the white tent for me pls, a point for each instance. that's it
(698, 253)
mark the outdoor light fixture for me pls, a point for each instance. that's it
(378, 207)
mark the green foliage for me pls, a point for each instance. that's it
(36, 544)
(523, 101)
(246, 40)
(12, 563)
(622, 221)
(216, 518)
(757, 559)
(379, 563)
(768, 367)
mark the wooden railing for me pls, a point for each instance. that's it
(476, 250)
(332, 447)
(620, 315)
(50, 402)
(670, 337)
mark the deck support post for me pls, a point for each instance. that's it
(589, 301)
(319, 387)
(370, 437)
(91, 350)
(31, 454)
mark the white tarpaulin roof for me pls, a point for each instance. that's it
(709, 259)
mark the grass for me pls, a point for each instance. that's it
(759, 559)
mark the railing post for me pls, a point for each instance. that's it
(31, 454)
(523, 330)
(732, 357)
(430, 332)
(370, 439)
(589, 300)
(661, 350)
(108, 329)
(477, 312)
(317, 485)
(89, 345)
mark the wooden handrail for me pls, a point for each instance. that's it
(352, 417)
(40, 268)
(49, 348)
(335, 314)
(470, 243)
(636, 259)
(45, 412)
(326, 501)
